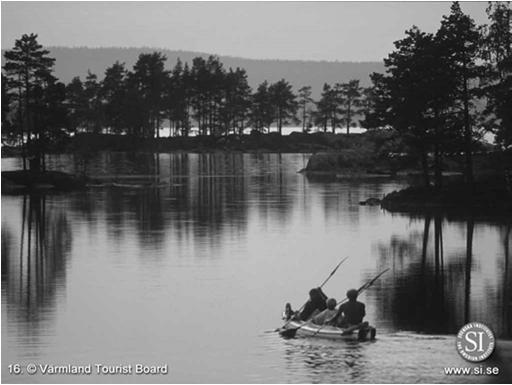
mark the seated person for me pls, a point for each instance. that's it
(327, 314)
(353, 311)
(316, 303)
(288, 312)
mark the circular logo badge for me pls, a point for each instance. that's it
(475, 342)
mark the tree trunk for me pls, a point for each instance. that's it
(424, 166)
(438, 172)
(468, 137)
(157, 128)
(304, 118)
(280, 123)
(20, 116)
(349, 118)
(27, 110)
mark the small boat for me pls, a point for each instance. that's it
(309, 329)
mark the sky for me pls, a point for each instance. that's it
(343, 31)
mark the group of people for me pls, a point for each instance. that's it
(321, 310)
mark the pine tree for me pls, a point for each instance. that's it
(284, 101)
(149, 79)
(10, 132)
(328, 107)
(236, 101)
(415, 97)
(497, 80)
(51, 115)
(262, 111)
(93, 112)
(460, 40)
(77, 105)
(113, 96)
(27, 65)
(174, 98)
(351, 101)
(304, 100)
(199, 93)
(374, 103)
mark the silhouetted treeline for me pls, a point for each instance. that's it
(202, 98)
(428, 95)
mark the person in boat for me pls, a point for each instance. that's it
(327, 314)
(317, 303)
(353, 311)
(288, 312)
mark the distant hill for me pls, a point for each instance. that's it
(72, 62)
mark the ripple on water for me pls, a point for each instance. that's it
(402, 357)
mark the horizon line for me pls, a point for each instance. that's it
(212, 54)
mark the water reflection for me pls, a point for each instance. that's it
(506, 277)
(197, 197)
(149, 266)
(437, 289)
(33, 261)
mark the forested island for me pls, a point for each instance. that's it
(427, 113)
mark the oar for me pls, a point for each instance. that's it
(332, 273)
(361, 289)
(291, 332)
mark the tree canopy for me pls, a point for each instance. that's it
(431, 95)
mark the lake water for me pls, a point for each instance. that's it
(194, 271)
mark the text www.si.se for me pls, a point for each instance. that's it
(476, 371)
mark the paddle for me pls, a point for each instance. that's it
(361, 289)
(354, 327)
(291, 332)
(332, 273)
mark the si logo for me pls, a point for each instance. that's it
(475, 342)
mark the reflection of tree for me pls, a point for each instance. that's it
(32, 274)
(417, 300)
(434, 294)
(213, 195)
(507, 282)
(271, 188)
(209, 197)
(147, 206)
(467, 275)
(206, 196)
(7, 245)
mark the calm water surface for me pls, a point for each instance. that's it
(193, 272)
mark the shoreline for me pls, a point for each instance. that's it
(487, 197)
(256, 142)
